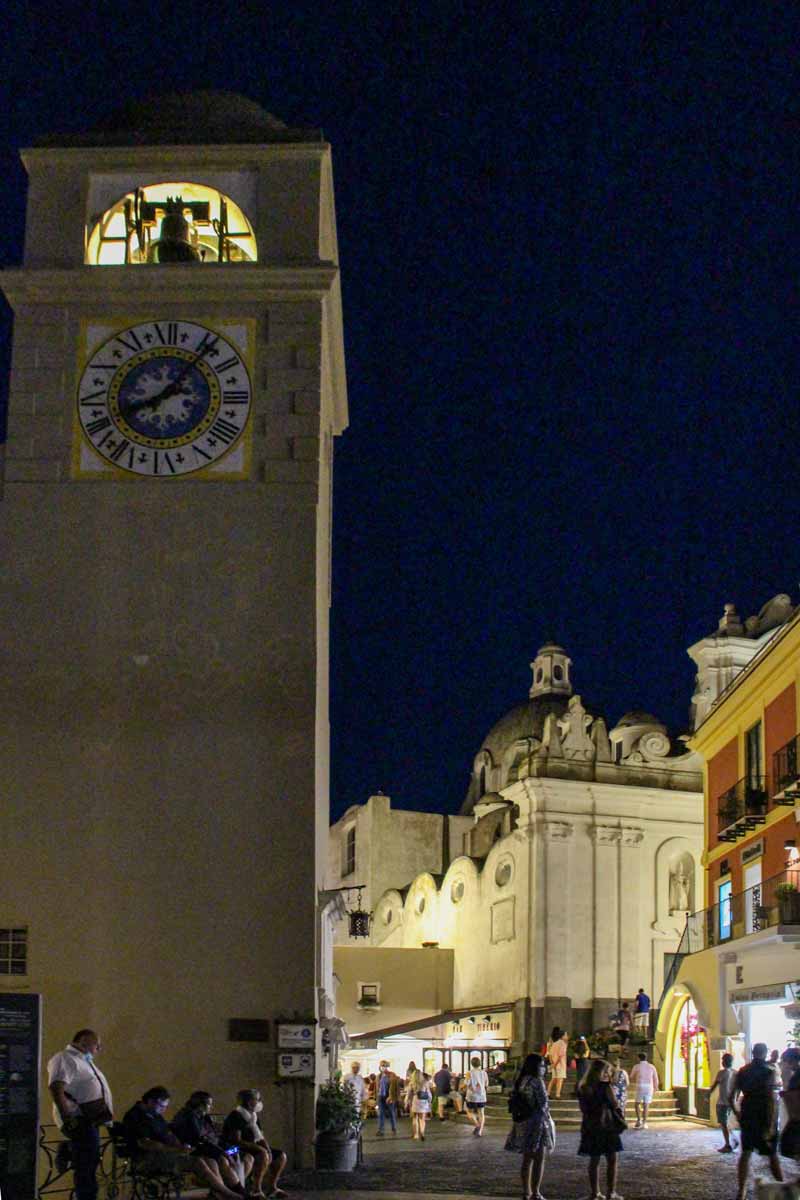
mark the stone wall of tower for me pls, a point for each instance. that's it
(163, 681)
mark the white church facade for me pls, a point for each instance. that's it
(560, 889)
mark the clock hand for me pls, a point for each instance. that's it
(172, 388)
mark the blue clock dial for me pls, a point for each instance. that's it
(164, 398)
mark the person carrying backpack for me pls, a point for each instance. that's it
(533, 1132)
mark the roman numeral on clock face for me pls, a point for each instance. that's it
(97, 426)
(226, 365)
(134, 344)
(224, 430)
(168, 336)
(232, 397)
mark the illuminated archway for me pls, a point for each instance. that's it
(687, 1048)
(128, 232)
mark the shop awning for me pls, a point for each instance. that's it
(453, 1014)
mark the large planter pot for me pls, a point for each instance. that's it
(789, 908)
(335, 1152)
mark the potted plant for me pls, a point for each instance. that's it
(788, 899)
(338, 1124)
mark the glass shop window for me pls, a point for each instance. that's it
(176, 221)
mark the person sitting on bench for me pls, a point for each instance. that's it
(155, 1150)
(241, 1129)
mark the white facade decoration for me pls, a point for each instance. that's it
(556, 886)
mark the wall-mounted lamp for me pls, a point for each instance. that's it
(789, 844)
(471, 1020)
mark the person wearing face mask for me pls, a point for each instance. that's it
(81, 1103)
(242, 1130)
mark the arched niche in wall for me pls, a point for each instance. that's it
(676, 885)
(422, 911)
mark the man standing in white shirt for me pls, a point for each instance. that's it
(357, 1084)
(76, 1083)
(644, 1077)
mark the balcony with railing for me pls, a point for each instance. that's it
(742, 807)
(773, 903)
(785, 773)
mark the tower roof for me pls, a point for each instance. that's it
(187, 119)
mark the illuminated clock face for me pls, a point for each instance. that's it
(164, 398)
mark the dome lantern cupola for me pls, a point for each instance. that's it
(551, 672)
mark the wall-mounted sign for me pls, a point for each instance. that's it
(296, 1036)
(295, 1066)
(759, 995)
(754, 850)
(20, 1053)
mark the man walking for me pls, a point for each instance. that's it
(641, 1015)
(443, 1083)
(724, 1081)
(81, 1102)
(644, 1078)
(388, 1097)
(756, 1114)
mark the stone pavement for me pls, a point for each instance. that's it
(680, 1162)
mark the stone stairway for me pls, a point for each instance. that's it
(566, 1111)
(567, 1115)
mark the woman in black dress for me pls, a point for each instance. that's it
(532, 1134)
(601, 1124)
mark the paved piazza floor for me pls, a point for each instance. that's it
(679, 1162)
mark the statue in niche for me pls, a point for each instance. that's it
(680, 888)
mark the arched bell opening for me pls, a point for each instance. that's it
(175, 221)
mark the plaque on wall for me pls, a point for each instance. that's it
(20, 1060)
(503, 920)
(298, 1036)
(248, 1029)
(295, 1066)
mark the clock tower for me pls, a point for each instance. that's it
(177, 383)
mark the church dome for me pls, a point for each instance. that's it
(186, 119)
(525, 720)
(638, 716)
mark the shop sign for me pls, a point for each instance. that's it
(753, 851)
(754, 995)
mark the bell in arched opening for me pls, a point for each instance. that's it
(173, 244)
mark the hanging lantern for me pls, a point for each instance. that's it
(359, 921)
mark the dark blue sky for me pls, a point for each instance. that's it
(569, 253)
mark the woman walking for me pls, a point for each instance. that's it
(618, 1078)
(557, 1055)
(477, 1082)
(602, 1122)
(532, 1132)
(581, 1060)
(419, 1092)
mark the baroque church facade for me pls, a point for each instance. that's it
(560, 888)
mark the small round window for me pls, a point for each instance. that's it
(558, 673)
(457, 891)
(420, 905)
(502, 875)
(539, 675)
(387, 916)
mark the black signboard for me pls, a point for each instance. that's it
(20, 1054)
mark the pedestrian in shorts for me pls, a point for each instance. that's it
(724, 1083)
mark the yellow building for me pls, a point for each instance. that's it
(736, 975)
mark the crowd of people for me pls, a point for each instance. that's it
(232, 1161)
(420, 1095)
(763, 1096)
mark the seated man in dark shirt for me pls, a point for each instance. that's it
(156, 1149)
(242, 1129)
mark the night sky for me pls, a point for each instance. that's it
(569, 252)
